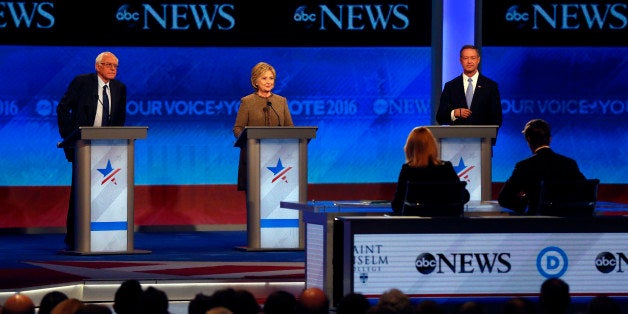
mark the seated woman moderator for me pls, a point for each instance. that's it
(422, 165)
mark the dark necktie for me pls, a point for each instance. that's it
(105, 107)
(469, 93)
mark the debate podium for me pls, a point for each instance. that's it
(276, 159)
(104, 186)
(469, 148)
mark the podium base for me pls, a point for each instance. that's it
(272, 249)
(68, 252)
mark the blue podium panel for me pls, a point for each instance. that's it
(279, 181)
(109, 173)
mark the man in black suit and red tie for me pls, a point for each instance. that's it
(471, 98)
(93, 99)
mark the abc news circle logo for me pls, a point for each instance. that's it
(301, 15)
(425, 263)
(124, 13)
(513, 15)
(605, 262)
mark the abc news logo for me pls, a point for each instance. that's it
(427, 263)
(585, 16)
(606, 262)
(355, 17)
(178, 16)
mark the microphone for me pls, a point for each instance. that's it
(270, 104)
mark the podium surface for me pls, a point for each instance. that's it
(104, 199)
(276, 159)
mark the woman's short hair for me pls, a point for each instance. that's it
(258, 70)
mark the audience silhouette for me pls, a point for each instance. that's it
(353, 303)
(50, 300)
(429, 307)
(127, 297)
(69, 306)
(200, 304)
(554, 297)
(603, 304)
(470, 307)
(519, 305)
(93, 308)
(313, 300)
(280, 302)
(153, 301)
(393, 301)
(18, 304)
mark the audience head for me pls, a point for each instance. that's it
(420, 148)
(396, 300)
(245, 303)
(470, 307)
(554, 296)
(519, 305)
(225, 298)
(219, 310)
(353, 303)
(429, 307)
(537, 133)
(50, 300)
(127, 297)
(92, 308)
(200, 304)
(603, 304)
(280, 302)
(313, 300)
(153, 301)
(69, 306)
(18, 304)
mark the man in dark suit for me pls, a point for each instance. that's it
(522, 189)
(470, 98)
(94, 99)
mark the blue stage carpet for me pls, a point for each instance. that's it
(32, 260)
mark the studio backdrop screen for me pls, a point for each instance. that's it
(359, 71)
(565, 62)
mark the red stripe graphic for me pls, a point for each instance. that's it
(109, 176)
(281, 174)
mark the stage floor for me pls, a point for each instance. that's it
(180, 263)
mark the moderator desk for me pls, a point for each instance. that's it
(319, 218)
(356, 246)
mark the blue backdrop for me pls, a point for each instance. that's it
(363, 100)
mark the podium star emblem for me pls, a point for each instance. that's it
(279, 171)
(109, 173)
(463, 170)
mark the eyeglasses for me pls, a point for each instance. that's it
(109, 65)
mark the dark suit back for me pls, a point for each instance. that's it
(545, 165)
(444, 172)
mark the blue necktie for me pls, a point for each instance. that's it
(105, 107)
(469, 94)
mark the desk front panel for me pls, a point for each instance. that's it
(480, 257)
